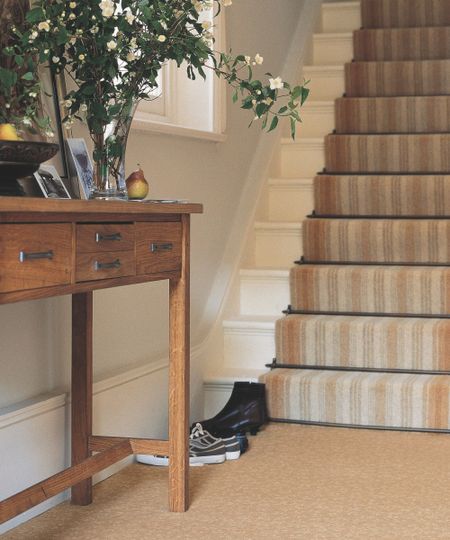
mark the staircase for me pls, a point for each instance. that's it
(244, 342)
(366, 341)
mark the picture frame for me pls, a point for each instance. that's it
(53, 90)
(80, 166)
(51, 183)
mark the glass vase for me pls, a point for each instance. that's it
(109, 157)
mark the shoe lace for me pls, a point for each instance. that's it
(197, 431)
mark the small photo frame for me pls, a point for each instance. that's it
(50, 183)
(80, 166)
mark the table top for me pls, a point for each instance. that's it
(97, 207)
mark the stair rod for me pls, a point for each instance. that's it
(290, 311)
(302, 261)
(275, 365)
(359, 426)
(313, 215)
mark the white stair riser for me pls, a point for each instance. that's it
(290, 203)
(263, 296)
(332, 49)
(317, 120)
(274, 249)
(248, 348)
(301, 160)
(325, 85)
(216, 397)
(341, 17)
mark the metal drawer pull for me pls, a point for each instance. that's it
(168, 246)
(99, 237)
(105, 266)
(24, 256)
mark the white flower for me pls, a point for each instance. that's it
(44, 26)
(206, 25)
(33, 35)
(162, 38)
(227, 3)
(131, 56)
(83, 107)
(26, 121)
(247, 59)
(81, 57)
(32, 94)
(68, 103)
(72, 5)
(107, 7)
(259, 59)
(49, 133)
(55, 59)
(129, 16)
(94, 30)
(133, 43)
(72, 16)
(276, 84)
(73, 40)
(111, 45)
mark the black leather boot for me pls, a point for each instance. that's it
(244, 411)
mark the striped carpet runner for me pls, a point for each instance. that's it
(366, 339)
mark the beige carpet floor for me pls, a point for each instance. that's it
(295, 482)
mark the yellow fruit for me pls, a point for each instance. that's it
(137, 186)
(8, 133)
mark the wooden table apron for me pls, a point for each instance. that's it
(56, 247)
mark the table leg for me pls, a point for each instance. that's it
(179, 382)
(82, 316)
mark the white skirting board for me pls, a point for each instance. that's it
(35, 437)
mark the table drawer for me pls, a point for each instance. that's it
(34, 256)
(158, 247)
(105, 237)
(105, 265)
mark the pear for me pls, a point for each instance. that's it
(137, 186)
(8, 133)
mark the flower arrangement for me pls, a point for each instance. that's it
(113, 50)
(19, 80)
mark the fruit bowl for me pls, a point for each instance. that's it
(19, 159)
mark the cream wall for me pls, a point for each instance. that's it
(131, 322)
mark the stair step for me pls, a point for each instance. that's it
(341, 17)
(263, 291)
(427, 153)
(382, 195)
(302, 158)
(249, 342)
(404, 13)
(325, 82)
(317, 119)
(371, 289)
(407, 241)
(361, 399)
(290, 199)
(426, 43)
(365, 342)
(277, 244)
(423, 114)
(332, 48)
(406, 78)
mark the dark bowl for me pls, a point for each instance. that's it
(22, 158)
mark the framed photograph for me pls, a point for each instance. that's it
(80, 166)
(53, 90)
(50, 183)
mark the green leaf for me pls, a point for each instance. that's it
(7, 78)
(274, 123)
(35, 15)
(304, 95)
(235, 96)
(293, 126)
(28, 76)
(19, 60)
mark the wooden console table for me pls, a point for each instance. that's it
(55, 247)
